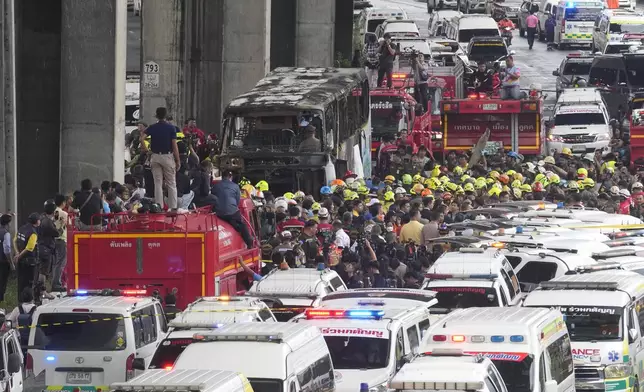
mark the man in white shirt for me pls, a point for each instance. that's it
(342, 239)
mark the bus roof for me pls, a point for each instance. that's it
(298, 89)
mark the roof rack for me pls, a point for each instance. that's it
(437, 385)
(580, 285)
(195, 325)
(613, 253)
(594, 268)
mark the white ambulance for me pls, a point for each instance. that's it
(529, 347)
(604, 312)
(368, 341)
(186, 380)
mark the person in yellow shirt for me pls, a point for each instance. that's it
(412, 230)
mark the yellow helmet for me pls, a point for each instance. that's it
(363, 190)
(505, 188)
(248, 191)
(494, 191)
(526, 188)
(490, 181)
(518, 176)
(582, 173)
(288, 195)
(494, 174)
(244, 181)
(406, 179)
(262, 186)
(480, 183)
(450, 186)
(316, 206)
(554, 179)
(588, 182)
(444, 180)
(517, 193)
(389, 196)
(516, 184)
(510, 173)
(428, 182)
(347, 193)
(573, 185)
(390, 179)
(566, 151)
(458, 170)
(417, 178)
(436, 171)
(459, 190)
(469, 187)
(417, 189)
(465, 177)
(299, 195)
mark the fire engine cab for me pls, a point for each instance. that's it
(515, 123)
(195, 252)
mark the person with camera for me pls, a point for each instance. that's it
(387, 53)
(371, 50)
(421, 76)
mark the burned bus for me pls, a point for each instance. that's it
(300, 128)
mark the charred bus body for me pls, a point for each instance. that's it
(267, 131)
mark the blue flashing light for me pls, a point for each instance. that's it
(369, 314)
(483, 276)
(519, 230)
(560, 204)
(217, 325)
(497, 339)
(50, 358)
(81, 292)
(321, 267)
(517, 339)
(570, 5)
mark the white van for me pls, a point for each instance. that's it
(206, 313)
(603, 311)
(92, 338)
(464, 27)
(612, 25)
(449, 369)
(368, 340)
(437, 19)
(186, 380)
(546, 266)
(295, 289)
(274, 356)
(377, 16)
(399, 298)
(574, 22)
(473, 277)
(530, 347)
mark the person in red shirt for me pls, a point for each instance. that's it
(324, 227)
(191, 130)
(293, 222)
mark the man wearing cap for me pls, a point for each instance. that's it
(325, 229)
(310, 142)
(26, 245)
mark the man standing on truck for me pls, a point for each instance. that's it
(163, 144)
(227, 208)
(511, 87)
(420, 81)
(387, 56)
(371, 59)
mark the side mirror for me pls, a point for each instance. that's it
(551, 386)
(138, 364)
(555, 72)
(14, 363)
(632, 335)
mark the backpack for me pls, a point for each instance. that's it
(24, 323)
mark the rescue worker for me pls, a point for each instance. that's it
(228, 195)
(421, 76)
(371, 59)
(26, 245)
(170, 305)
(550, 30)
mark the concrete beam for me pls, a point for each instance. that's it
(162, 38)
(315, 33)
(93, 39)
(228, 51)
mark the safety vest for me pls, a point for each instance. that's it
(22, 237)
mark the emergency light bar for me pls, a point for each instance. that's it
(471, 250)
(161, 388)
(399, 76)
(107, 293)
(613, 253)
(621, 234)
(239, 337)
(433, 276)
(196, 325)
(594, 268)
(362, 314)
(619, 242)
(304, 294)
(479, 338)
(437, 385)
(579, 285)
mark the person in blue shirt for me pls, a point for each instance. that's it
(227, 207)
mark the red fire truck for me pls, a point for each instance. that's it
(517, 124)
(637, 131)
(393, 113)
(195, 252)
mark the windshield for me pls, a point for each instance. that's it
(386, 115)
(467, 35)
(626, 28)
(602, 76)
(579, 119)
(465, 297)
(487, 51)
(278, 132)
(516, 375)
(355, 352)
(266, 385)
(168, 352)
(617, 49)
(577, 68)
(582, 14)
(536, 272)
(75, 332)
(635, 70)
(587, 323)
(373, 24)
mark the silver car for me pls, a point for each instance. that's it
(572, 67)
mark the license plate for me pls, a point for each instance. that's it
(579, 149)
(79, 377)
(490, 106)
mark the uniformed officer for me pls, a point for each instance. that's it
(26, 245)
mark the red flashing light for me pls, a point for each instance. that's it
(621, 234)
(129, 367)
(167, 367)
(80, 310)
(458, 338)
(134, 292)
(399, 76)
(316, 313)
(439, 338)
(472, 96)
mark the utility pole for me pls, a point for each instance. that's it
(8, 166)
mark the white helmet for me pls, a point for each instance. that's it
(637, 185)
(625, 193)
(614, 190)
(400, 191)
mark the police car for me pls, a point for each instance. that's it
(572, 67)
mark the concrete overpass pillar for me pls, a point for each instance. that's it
(315, 33)
(162, 83)
(228, 51)
(93, 40)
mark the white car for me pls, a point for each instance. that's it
(398, 28)
(435, 25)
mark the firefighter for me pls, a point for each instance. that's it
(26, 259)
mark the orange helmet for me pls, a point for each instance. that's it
(426, 192)
(504, 179)
(338, 182)
(537, 187)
